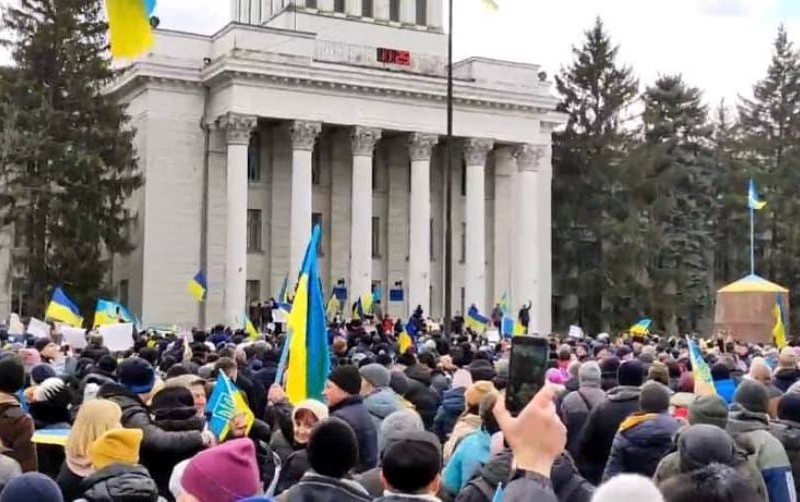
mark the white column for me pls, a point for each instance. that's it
(544, 314)
(353, 7)
(408, 13)
(325, 5)
(363, 141)
(380, 9)
(304, 135)
(505, 169)
(237, 128)
(434, 17)
(525, 272)
(475, 151)
(419, 260)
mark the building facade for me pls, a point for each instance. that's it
(333, 112)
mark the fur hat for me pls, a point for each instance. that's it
(477, 391)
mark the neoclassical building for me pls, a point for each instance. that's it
(334, 112)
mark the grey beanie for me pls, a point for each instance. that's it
(589, 374)
(703, 444)
(398, 424)
(710, 409)
(752, 396)
(377, 375)
(653, 398)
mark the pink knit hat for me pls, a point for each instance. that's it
(554, 375)
(224, 473)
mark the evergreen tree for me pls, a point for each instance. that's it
(596, 258)
(68, 163)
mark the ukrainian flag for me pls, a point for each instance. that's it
(703, 382)
(503, 303)
(108, 312)
(283, 296)
(406, 338)
(251, 330)
(226, 402)
(476, 320)
(333, 307)
(129, 27)
(642, 327)
(308, 362)
(198, 286)
(62, 309)
(363, 306)
(51, 436)
(779, 330)
(752, 197)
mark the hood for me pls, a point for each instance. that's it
(740, 420)
(498, 469)
(419, 373)
(623, 393)
(650, 429)
(453, 401)
(788, 432)
(120, 395)
(786, 376)
(131, 483)
(382, 403)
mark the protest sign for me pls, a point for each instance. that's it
(226, 402)
(575, 331)
(37, 328)
(74, 337)
(15, 326)
(493, 335)
(117, 337)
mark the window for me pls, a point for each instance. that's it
(338, 6)
(124, 285)
(377, 291)
(316, 164)
(252, 291)
(463, 178)
(430, 238)
(253, 230)
(394, 10)
(367, 9)
(463, 242)
(463, 299)
(254, 157)
(422, 12)
(316, 219)
(311, 4)
(376, 237)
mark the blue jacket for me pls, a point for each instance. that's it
(471, 453)
(640, 444)
(453, 405)
(353, 411)
(725, 389)
(380, 405)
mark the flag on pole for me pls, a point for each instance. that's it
(110, 312)
(363, 306)
(283, 295)
(642, 327)
(226, 402)
(62, 308)
(129, 29)
(779, 330)
(752, 197)
(198, 286)
(252, 332)
(475, 319)
(407, 337)
(308, 361)
(703, 382)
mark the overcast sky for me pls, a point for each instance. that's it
(721, 46)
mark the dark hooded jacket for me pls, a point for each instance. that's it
(419, 393)
(788, 433)
(594, 442)
(120, 483)
(785, 377)
(453, 405)
(353, 411)
(316, 488)
(642, 441)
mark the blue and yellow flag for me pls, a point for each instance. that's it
(110, 312)
(406, 339)
(283, 295)
(198, 286)
(642, 327)
(503, 303)
(363, 306)
(333, 307)
(703, 382)
(752, 197)
(252, 332)
(226, 402)
(129, 30)
(779, 330)
(476, 320)
(62, 309)
(51, 436)
(308, 361)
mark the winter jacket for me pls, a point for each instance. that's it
(401, 497)
(788, 433)
(594, 441)
(725, 389)
(353, 411)
(465, 426)
(750, 431)
(380, 404)
(472, 452)
(642, 441)
(69, 483)
(292, 470)
(160, 450)
(16, 431)
(120, 482)
(575, 409)
(785, 377)
(453, 405)
(419, 393)
(316, 488)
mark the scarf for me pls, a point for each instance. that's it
(80, 466)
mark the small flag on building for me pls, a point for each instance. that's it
(198, 286)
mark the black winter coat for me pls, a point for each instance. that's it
(315, 488)
(160, 450)
(69, 483)
(425, 400)
(640, 445)
(353, 411)
(120, 483)
(784, 378)
(594, 442)
(788, 433)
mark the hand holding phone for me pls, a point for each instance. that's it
(526, 371)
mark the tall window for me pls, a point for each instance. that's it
(253, 230)
(254, 157)
(422, 12)
(463, 242)
(316, 164)
(376, 237)
(316, 219)
(367, 9)
(338, 6)
(252, 291)
(311, 4)
(394, 10)
(124, 285)
(463, 178)
(377, 291)
(463, 300)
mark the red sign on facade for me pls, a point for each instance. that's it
(393, 56)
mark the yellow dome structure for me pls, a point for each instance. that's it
(746, 309)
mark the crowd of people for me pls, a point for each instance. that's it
(616, 419)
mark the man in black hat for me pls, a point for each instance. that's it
(343, 394)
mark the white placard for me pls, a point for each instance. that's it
(15, 326)
(278, 315)
(575, 331)
(38, 329)
(492, 335)
(74, 337)
(117, 337)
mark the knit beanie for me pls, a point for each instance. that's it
(398, 423)
(378, 376)
(12, 374)
(609, 366)
(332, 448)
(42, 372)
(224, 473)
(173, 403)
(628, 487)
(554, 376)
(709, 409)
(631, 373)
(702, 444)
(347, 378)
(653, 398)
(658, 372)
(589, 374)
(462, 379)
(720, 371)
(116, 446)
(789, 407)
(31, 486)
(481, 369)
(317, 408)
(752, 396)
(136, 375)
(477, 391)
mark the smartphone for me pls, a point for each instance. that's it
(526, 370)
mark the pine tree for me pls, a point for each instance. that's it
(68, 163)
(596, 234)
